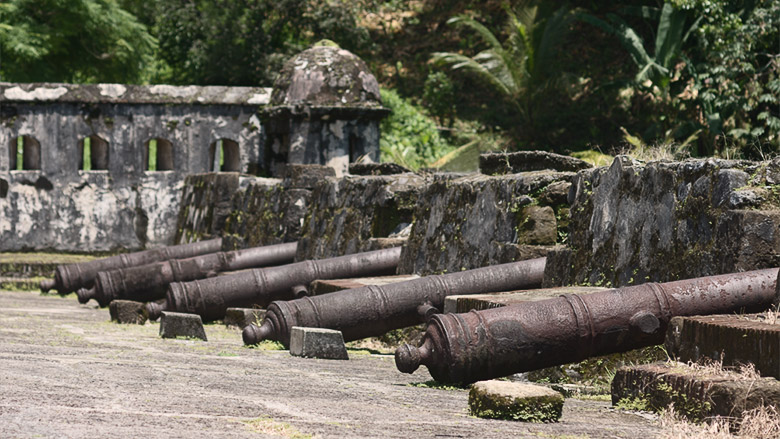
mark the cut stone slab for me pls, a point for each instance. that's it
(696, 393)
(332, 285)
(306, 176)
(243, 317)
(376, 169)
(317, 343)
(732, 339)
(128, 311)
(526, 161)
(383, 243)
(466, 303)
(515, 401)
(176, 324)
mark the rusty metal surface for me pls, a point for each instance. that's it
(210, 298)
(479, 345)
(374, 310)
(149, 282)
(71, 277)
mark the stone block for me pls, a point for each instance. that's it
(317, 343)
(525, 161)
(731, 339)
(326, 286)
(242, 317)
(376, 169)
(306, 176)
(697, 393)
(515, 401)
(466, 303)
(175, 324)
(128, 311)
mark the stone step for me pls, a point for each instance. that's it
(21, 283)
(466, 303)
(332, 285)
(731, 339)
(698, 393)
(28, 265)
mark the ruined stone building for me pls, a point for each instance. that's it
(100, 167)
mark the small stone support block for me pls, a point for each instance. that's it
(731, 339)
(243, 317)
(317, 343)
(697, 394)
(128, 311)
(515, 401)
(176, 324)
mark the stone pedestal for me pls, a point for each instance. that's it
(317, 343)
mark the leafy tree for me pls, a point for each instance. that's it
(72, 41)
(725, 86)
(735, 74)
(245, 42)
(656, 62)
(522, 68)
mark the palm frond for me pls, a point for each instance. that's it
(457, 61)
(478, 27)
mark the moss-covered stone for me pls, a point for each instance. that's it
(635, 222)
(515, 401)
(347, 215)
(465, 222)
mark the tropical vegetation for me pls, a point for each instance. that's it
(697, 77)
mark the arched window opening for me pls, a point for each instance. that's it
(353, 147)
(94, 154)
(224, 156)
(159, 155)
(24, 154)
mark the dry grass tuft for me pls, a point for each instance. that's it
(267, 426)
(759, 423)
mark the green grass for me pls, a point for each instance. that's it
(433, 384)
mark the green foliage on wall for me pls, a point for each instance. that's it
(409, 137)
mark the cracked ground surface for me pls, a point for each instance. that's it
(66, 371)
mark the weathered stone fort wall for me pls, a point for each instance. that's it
(624, 224)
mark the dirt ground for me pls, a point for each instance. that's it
(67, 371)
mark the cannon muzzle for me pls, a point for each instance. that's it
(84, 295)
(48, 285)
(374, 310)
(480, 345)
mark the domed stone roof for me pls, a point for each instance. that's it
(326, 76)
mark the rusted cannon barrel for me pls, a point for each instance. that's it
(212, 297)
(71, 277)
(480, 345)
(374, 310)
(149, 282)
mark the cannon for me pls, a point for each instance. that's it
(71, 277)
(210, 298)
(374, 310)
(147, 283)
(479, 345)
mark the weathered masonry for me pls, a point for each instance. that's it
(100, 167)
